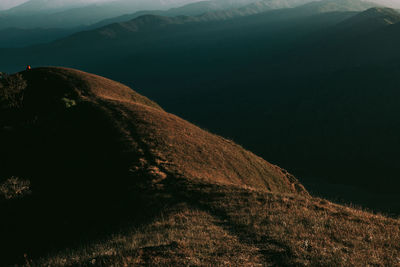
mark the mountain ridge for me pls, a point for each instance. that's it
(371, 19)
(153, 124)
(138, 23)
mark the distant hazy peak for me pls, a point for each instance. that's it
(324, 6)
(380, 15)
(380, 11)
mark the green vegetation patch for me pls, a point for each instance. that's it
(68, 102)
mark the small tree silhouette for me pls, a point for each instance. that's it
(12, 88)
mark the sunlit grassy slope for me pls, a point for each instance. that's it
(219, 225)
(94, 174)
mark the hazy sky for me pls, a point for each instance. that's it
(6, 4)
(50, 4)
(392, 3)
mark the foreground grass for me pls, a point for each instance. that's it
(184, 237)
(226, 225)
(309, 231)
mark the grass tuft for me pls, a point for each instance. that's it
(14, 188)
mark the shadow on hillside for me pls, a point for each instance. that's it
(81, 186)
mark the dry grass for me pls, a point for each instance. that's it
(158, 139)
(309, 231)
(182, 237)
(139, 187)
(230, 226)
(11, 90)
(87, 143)
(14, 187)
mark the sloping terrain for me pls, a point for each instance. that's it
(94, 174)
(164, 140)
(87, 148)
(226, 225)
(337, 6)
(374, 17)
(69, 14)
(146, 21)
(202, 7)
(303, 92)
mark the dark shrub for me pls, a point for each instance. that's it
(12, 89)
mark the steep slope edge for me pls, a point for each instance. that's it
(82, 154)
(167, 141)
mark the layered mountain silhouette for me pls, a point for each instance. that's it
(337, 6)
(199, 8)
(25, 30)
(145, 21)
(368, 21)
(67, 14)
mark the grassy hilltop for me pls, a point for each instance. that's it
(94, 174)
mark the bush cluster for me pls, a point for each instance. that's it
(12, 88)
(14, 187)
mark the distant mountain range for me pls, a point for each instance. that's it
(203, 7)
(150, 20)
(369, 21)
(12, 37)
(17, 37)
(53, 6)
(66, 14)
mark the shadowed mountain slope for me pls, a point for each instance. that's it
(164, 141)
(94, 174)
(370, 20)
(90, 148)
(299, 92)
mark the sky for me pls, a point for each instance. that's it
(391, 3)
(6, 4)
(55, 4)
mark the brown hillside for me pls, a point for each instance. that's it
(230, 226)
(94, 174)
(154, 141)
(83, 156)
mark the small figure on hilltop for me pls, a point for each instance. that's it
(28, 67)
